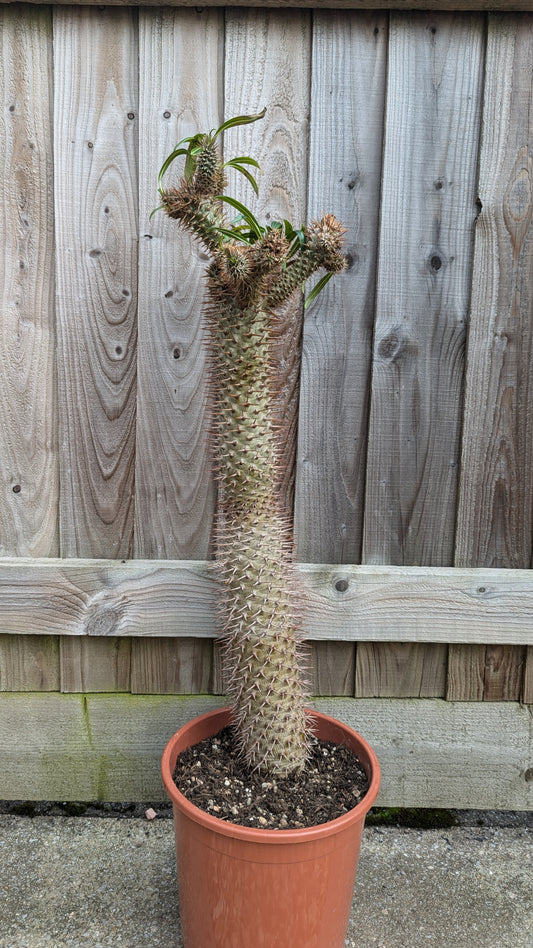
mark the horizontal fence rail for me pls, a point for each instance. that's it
(343, 603)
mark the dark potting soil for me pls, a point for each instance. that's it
(212, 777)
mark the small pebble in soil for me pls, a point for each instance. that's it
(213, 777)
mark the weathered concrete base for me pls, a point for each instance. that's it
(433, 753)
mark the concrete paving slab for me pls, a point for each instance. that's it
(88, 882)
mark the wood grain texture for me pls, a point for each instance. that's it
(527, 692)
(405, 5)
(29, 663)
(117, 741)
(466, 672)
(504, 672)
(95, 115)
(267, 63)
(345, 603)
(400, 670)
(332, 668)
(347, 102)
(173, 666)
(95, 664)
(497, 457)
(425, 258)
(29, 483)
(174, 492)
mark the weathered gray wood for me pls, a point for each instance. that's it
(95, 664)
(331, 668)
(28, 430)
(400, 670)
(406, 5)
(173, 489)
(172, 666)
(95, 147)
(466, 673)
(347, 100)
(345, 603)
(497, 458)
(29, 663)
(527, 693)
(267, 63)
(108, 747)
(173, 483)
(95, 115)
(504, 672)
(425, 254)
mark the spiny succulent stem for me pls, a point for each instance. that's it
(250, 276)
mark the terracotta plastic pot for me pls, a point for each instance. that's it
(242, 887)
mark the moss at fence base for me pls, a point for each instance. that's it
(414, 818)
(108, 746)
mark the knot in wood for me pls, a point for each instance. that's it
(102, 622)
(389, 346)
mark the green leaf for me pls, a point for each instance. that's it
(289, 229)
(317, 289)
(243, 236)
(238, 162)
(190, 164)
(297, 244)
(238, 120)
(167, 163)
(243, 160)
(247, 215)
(194, 148)
(247, 174)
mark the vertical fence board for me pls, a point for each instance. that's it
(504, 672)
(427, 216)
(95, 60)
(527, 690)
(268, 64)
(400, 670)
(174, 493)
(174, 489)
(332, 668)
(497, 457)
(28, 436)
(95, 152)
(95, 664)
(466, 673)
(172, 666)
(29, 663)
(347, 100)
(425, 262)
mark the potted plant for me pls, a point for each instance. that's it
(244, 885)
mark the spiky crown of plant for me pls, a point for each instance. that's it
(254, 270)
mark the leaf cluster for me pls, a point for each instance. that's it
(244, 227)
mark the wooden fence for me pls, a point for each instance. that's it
(411, 469)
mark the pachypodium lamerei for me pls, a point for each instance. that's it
(254, 269)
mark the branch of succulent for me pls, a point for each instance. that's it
(254, 269)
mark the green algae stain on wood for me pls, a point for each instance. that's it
(88, 747)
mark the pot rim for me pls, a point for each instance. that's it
(277, 836)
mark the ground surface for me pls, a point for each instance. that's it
(93, 883)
